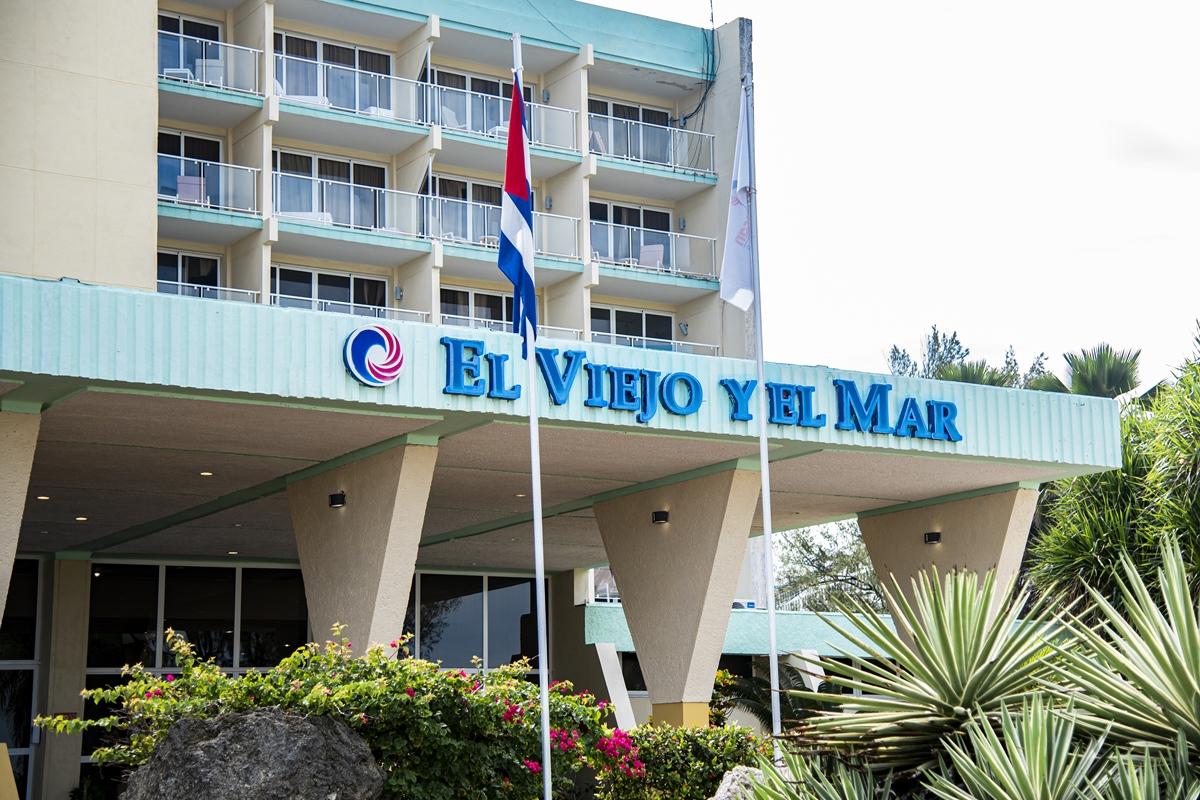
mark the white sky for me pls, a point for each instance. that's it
(1026, 172)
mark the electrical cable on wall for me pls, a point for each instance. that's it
(709, 66)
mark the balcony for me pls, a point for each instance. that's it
(646, 343)
(487, 116)
(355, 91)
(662, 252)
(503, 326)
(634, 157)
(468, 222)
(207, 292)
(342, 307)
(224, 187)
(207, 82)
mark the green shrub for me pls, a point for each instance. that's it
(657, 762)
(437, 735)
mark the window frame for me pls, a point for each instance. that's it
(506, 299)
(219, 25)
(33, 666)
(320, 41)
(179, 254)
(272, 282)
(612, 316)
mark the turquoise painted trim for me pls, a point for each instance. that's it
(378, 238)
(614, 35)
(210, 92)
(240, 219)
(950, 498)
(664, 279)
(467, 137)
(746, 634)
(654, 170)
(106, 336)
(488, 254)
(306, 110)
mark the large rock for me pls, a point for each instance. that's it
(260, 755)
(738, 784)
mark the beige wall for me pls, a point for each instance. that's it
(58, 770)
(77, 145)
(979, 533)
(18, 442)
(358, 560)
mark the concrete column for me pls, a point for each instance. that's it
(70, 600)
(981, 533)
(358, 560)
(677, 581)
(18, 441)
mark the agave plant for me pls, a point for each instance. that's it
(806, 778)
(958, 654)
(1035, 756)
(1145, 777)
(1138, 673)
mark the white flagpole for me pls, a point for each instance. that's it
(535, 464)
(763, 455)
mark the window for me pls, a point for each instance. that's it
(462, 617)
(19, 668)
(343, 76)
(185, 273)
(184, 171)
(475, 308)
(474, 102)
(336, 190)
(188, 49)
(465, 210)
(632, 327)
(627, 130)
(630, 235)
(342, 292)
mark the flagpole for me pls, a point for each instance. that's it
(535, 468)
(763, 449)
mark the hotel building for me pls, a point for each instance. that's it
(205, 204)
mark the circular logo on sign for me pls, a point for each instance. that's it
(373, 355)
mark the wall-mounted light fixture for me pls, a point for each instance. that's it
(660, 517)
(399, 294)
(933, 537)
(683, 329)
(337, 499)
(683, 223)
(546, 96)
(548, 202)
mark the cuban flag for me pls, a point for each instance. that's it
(516, 216)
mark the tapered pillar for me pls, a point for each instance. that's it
(18, 441)
(358, 560)
(67, 662)
(980, 533)
(677, 581)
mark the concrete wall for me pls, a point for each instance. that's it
(77, 146)
(58, 767)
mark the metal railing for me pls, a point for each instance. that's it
(207, 292)
(207, 183)
(505, 326)
(646, 343)
(348, 205)
(347, 89)
(470, 222)
(339, 307)
(656, 251)
(487, 115)
(193, 60)
(678, 148)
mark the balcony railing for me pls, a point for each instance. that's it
(346, 89)
(505, 326)
(647, 343)
(193, 60)
(207, 292)
(340, 307)
(655, 251)
(206, 183)
(347, 205)
(487, 115)
(677, 148)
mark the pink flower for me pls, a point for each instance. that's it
(170, 679)
(533, 766)
(395, 643)
(410, 691)
(149, 695)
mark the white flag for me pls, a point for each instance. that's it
(737, 265)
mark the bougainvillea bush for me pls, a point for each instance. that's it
(437, 735)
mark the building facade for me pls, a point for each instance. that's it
(255, 379)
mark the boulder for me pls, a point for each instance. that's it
(738, 784)
(259, 755)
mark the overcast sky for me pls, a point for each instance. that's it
(1024, 172)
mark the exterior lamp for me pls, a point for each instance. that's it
(660, 517)
(933, 537)
(337, 499)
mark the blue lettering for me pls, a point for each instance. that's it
(462, 369)
(941, 421)
(649, 396)
(739, 398)
(497, 385)
(559, 384)
(623, 395)
(670, 393)
(912, 421)
(854, 415)
(782, 397)
(807, 420)
(595, 379)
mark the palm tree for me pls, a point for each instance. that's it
(979, 372)
(1099, 371)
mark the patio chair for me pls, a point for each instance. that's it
(190, 189)
(651, 255)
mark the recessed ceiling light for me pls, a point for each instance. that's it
(96, 574)
(43, 497)
(237, 524)
(233, 552)
(206, 474)
(520, 494)
(81, 519)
